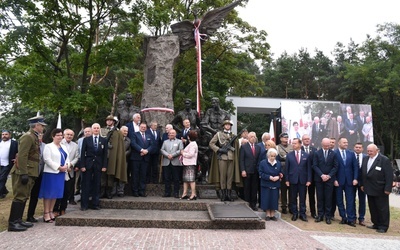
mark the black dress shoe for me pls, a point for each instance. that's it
(372, 227)
(351, 223)
(176, 196)
(83, 209)
(31, 219)
(135, 195)
(96, 208)
(166, 195)
(26, 224)
(328, 221)
(142, 194)
(294, 217)
(318, 219)
(343, 221)
(362, 223)
(303, 218)
(284, 211)
(381, 230)
(72, 203)
(120, 195)
(314, 216)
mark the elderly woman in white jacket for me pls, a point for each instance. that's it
(56, 161)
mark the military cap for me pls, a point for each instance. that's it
(227, 122)
(110, 117)
(37, 119)
(284, 135)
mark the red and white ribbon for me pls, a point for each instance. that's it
(198, 38)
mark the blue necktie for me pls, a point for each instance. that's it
(95, 142)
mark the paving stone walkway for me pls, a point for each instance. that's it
(277, 235)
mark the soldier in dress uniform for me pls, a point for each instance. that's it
(24, 173)
(116, 164)
(225, 163)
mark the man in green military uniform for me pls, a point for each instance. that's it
(116, 171)
(225, 163)
(24, 173)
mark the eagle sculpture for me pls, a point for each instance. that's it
(208, 25)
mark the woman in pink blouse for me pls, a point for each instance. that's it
(189, 160)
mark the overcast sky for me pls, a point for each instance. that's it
(310, 24)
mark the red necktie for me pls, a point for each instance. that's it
(253, 149)
(298, 157)
(144, 138)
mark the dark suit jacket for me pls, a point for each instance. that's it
(90, 157)
(131, 130)
(298, 173)
(13, 152)
(360, 122)
(138, 144)
(320, 166)
(157, 143)
(247, 161)
(347, 171)
(351, 126)
(317, 134)
(342, 131)
(184, 136)
(263, 152)
(266, 170)
(379, 178)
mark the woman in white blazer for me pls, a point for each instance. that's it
(56, 166)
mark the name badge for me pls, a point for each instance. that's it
(378, 168)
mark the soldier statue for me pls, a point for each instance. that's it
(215, 117)
(126, 109)
(187, 113)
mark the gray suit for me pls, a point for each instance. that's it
(171, 168)
(171, 148)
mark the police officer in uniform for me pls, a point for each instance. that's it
(24, 173)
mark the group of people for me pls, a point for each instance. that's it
(335, 175)
(105, 159)
(355, 127)
(98, 165)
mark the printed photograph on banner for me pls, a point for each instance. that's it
(315, 118)
(357, 123)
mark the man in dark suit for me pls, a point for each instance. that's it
(325, 167)
(93, 163)
(346, 181)
(376, 182)
(361, 120)
(358, 152)
(248, 162)
(351, 128)
(310, 150)
(340, 127)
(8, 152)
(264, 138)
(298, 178)
(133, 127)
(141, 144)
(185, 131)
(154, 161)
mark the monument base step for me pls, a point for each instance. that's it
(140, 218)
